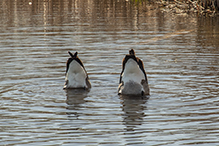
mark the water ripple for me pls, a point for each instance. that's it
(181, 61)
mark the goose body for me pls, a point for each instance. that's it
(133, 78)
(76, 75)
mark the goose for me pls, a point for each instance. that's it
(76, 76)
(133, 78)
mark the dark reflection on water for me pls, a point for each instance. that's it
(180, 54)
(75, 99)
(134, 108)
(207, 34)
(135, 112)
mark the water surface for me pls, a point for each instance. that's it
(180, 54)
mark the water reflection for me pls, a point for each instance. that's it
(63, 11)
(207, 35)
(180, 55)
(75, 100)
(84, 14)
(133, 108)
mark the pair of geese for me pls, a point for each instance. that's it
(133, 78)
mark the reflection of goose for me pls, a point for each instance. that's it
(75, 99)
(76, 96)
(133, 78)
(133, 108)
(76, 75)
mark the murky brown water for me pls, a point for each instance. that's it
(181, 57)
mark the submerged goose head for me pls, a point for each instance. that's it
(76, 75)
(133, 78)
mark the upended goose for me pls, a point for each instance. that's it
(133, 78)
(76, 76)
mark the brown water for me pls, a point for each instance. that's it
(181, 57)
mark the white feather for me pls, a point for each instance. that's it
(76, 75)
(132, 72)
(132, 77)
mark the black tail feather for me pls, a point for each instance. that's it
(73, 56)
(132, 52)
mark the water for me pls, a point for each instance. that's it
(180, 53)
